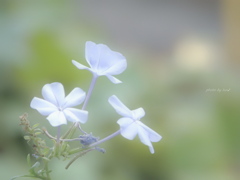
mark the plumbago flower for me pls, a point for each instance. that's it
(103, 61)
(130, 124)
(57, 107)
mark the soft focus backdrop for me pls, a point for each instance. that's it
(183, 69)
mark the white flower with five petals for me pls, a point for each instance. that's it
(130, 124)
(57, 107)
(103, 61)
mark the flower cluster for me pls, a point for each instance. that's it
(103, 62)
(59, 108)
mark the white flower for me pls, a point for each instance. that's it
(130, 124)
(58, 107)
(103, 61)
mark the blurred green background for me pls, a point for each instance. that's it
(176, 50)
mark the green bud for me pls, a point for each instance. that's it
(37, 164)
(45, 158)
(27, 138)
(35, 125)
(37, 133)
(29, 160)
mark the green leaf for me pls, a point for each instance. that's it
(45, 158)
(45, 151)
(37, 164)
(38, 133)
(32, 171)
(27, 138)
(29, 160)
(35, 125)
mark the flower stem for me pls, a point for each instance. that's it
(58, 134)
(89, 93)
(60, 139)
(77, 156)
(67, 133)
(91, 146)
(75, 150)
(105, 139)
(47, 171)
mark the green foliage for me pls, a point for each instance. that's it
(32, 137)
(60, 149)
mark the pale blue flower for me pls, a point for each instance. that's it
(103, 61)
(130, 124)
(57, 107)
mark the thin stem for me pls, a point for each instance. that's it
(93, 145)
(79, 127)
(93, 82)
(76, 157)
(72, 130)
(75, 150)
(47, 170)
(67, 133)
(89, 93)
(47, 133)
(105, 139)
(58, 134)
(70, 133)
(74, 139)
(58, 140)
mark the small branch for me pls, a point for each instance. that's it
(74, 139)
(58, 134)
(79, 155)
(105, 139)
(67, 133)
(51, 137)
(89, 93)
(81, 129)
(48, 135)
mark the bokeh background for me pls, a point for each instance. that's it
(176, 51)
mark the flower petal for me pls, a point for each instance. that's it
(75, 97)
(104, 61)
(113, 79)
(153, 136)
(92, 53)
(137, 114)
(128, 128)
(54, 93)
(119, 106)
(151, 149)
(143, 136)
(119, 64)
(79, 66)
(110, 62)
(57, 118)
(76, 115)
(42, 106)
